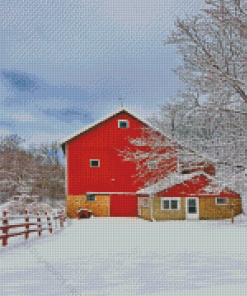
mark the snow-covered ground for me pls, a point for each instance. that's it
(129, 256)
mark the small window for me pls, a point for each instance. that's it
(166, 204)
(170, 203)
(152, 165)
(94, 163)
(123, 123)
(145, 202)
(90, 197)
(174, 204)
(221, 201)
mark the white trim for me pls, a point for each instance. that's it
(132, 193)
(92, 166)
(90, 200)
(224, 204)
(178, 199)
(189, 215)
(123, 120)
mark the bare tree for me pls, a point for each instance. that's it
(208, 120)
(213, 46)
(154, 154)
(37, 168)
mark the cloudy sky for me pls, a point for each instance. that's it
(65, 63)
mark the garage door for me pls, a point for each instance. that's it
(123, 205)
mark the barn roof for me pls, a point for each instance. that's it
(170, 181)
(97, 123)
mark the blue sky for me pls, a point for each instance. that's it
(64, 64)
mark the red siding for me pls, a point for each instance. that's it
(114, 175)
(101, 142)
(123, 205)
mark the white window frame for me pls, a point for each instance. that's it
(123, 120)
(220, 204)
(92, 166)
(91, 200)
(152, 165)
(178, 199)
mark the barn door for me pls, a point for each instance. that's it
(123, 205)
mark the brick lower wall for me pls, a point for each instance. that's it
(209, 209)
(99, 208)
(145, 213)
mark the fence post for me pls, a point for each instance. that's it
(39, 225)
(61, 220)
(5, 230)
(26, 226)
(49, 222)
(55, 220)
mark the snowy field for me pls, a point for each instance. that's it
(129, 256)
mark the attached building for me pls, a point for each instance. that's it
(188, 196)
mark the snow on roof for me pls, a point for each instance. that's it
(170, 181)
(101, 121)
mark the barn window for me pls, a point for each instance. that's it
(91, 197)
(152, 165)
(170, 203)
(94, 163)
(145, 202)
(221, 201)
(123, 123)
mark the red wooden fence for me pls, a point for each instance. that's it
(47, 225)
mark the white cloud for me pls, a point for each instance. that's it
(23, 117)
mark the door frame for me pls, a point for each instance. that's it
(192, 216)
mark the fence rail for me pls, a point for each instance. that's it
(49, 219)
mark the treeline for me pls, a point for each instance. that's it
(39, 171)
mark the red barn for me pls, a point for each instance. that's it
(97, 177)
(99, 180)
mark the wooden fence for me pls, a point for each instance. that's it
(43, 223)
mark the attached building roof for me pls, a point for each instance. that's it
(170, 181)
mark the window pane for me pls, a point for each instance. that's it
(221, 201)
(123, 124)
(145, 203)
(166, 204)
(192, 203)
(94, 163)
(152, 165)
(90, 197)
(174, 204)
(192, 210)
